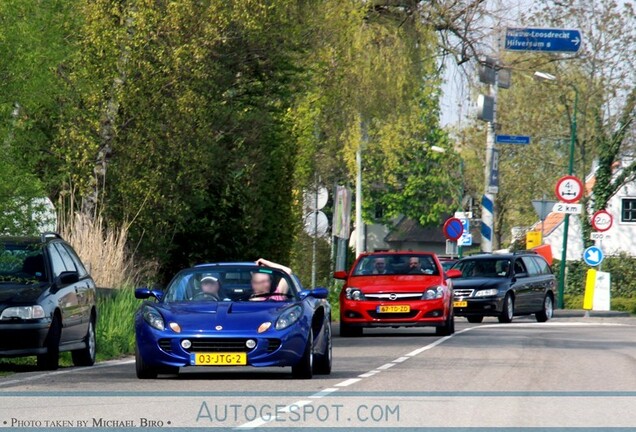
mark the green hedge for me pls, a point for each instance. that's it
(623, 304)
(623, 278)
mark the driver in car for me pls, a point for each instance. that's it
(210, 287)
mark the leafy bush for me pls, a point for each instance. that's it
(623, 277)
(623, 304)
(115, 326)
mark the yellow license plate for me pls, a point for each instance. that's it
(219, 359)
(460, 304)
(394, 309)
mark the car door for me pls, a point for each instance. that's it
(67, 299)
(85, 287)
(522, 286)
(545, 280)
(536, 281)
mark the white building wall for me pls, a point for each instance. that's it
(621, 237)
(575, 240)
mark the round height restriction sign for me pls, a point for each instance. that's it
(602, 221)
(569, 189)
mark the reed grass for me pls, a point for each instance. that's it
(101, 248)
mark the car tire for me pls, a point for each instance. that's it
(143, 370)
(51, 359)
(547, 310)
(349, 331)
(508, 309)
(86, 356)
(448, 328)
(305, 367)
(322, 362)
(475, 319)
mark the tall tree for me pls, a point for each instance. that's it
(177, 122)
(34, 46)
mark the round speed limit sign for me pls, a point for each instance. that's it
(602, 221)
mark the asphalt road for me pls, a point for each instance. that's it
(569, 372)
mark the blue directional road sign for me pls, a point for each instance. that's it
(493, 178)
(465, 240)
(543, 39)
(593, 256)
(512, 139)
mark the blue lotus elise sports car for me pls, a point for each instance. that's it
(233, 314)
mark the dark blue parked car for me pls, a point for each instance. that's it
(233, 314)
(47, 301)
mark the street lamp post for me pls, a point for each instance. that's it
(566, 221)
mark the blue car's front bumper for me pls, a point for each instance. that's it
(273, 348)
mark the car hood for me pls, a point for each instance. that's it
(394, 283)
(237, 316)
(20, 294)
(478, 283)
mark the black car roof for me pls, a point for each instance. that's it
(508, 255)
(43, 238)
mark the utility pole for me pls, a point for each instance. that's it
(488, 113)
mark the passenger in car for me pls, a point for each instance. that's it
(415, 267)
(262, 282)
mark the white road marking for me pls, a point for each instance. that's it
(108, 363)
(348, 382)
(369, 374)
(400, 360)
(431, 345)
(386, 366)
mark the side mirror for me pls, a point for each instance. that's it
(341, 274)
(67, 278)
(319, 293)
(145, 293)
(453, 273)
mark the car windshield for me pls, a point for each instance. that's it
(480, 268)
(447, 264)
(396, 264)
(231, 283)
(21, 263)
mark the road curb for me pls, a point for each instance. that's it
(581, 313)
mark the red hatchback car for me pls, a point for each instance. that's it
(395, 289)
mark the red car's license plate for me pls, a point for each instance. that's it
(393, 309)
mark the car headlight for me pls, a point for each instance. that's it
(22, 312)
(153, 318)
(487, 292)
(354, 294)
(433, 293)
(288, 317)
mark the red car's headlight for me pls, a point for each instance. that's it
(432, 293)
(354, 294)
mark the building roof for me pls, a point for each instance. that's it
(409, 230)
